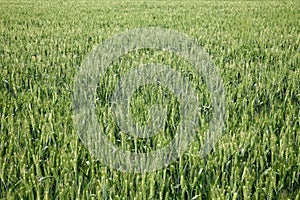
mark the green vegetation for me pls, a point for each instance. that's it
(255, 45)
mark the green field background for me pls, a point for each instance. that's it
(254, 44)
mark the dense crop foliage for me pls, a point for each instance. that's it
(254, 44)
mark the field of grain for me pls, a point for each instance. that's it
(254, 44)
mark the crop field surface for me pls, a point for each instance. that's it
(255, 45)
